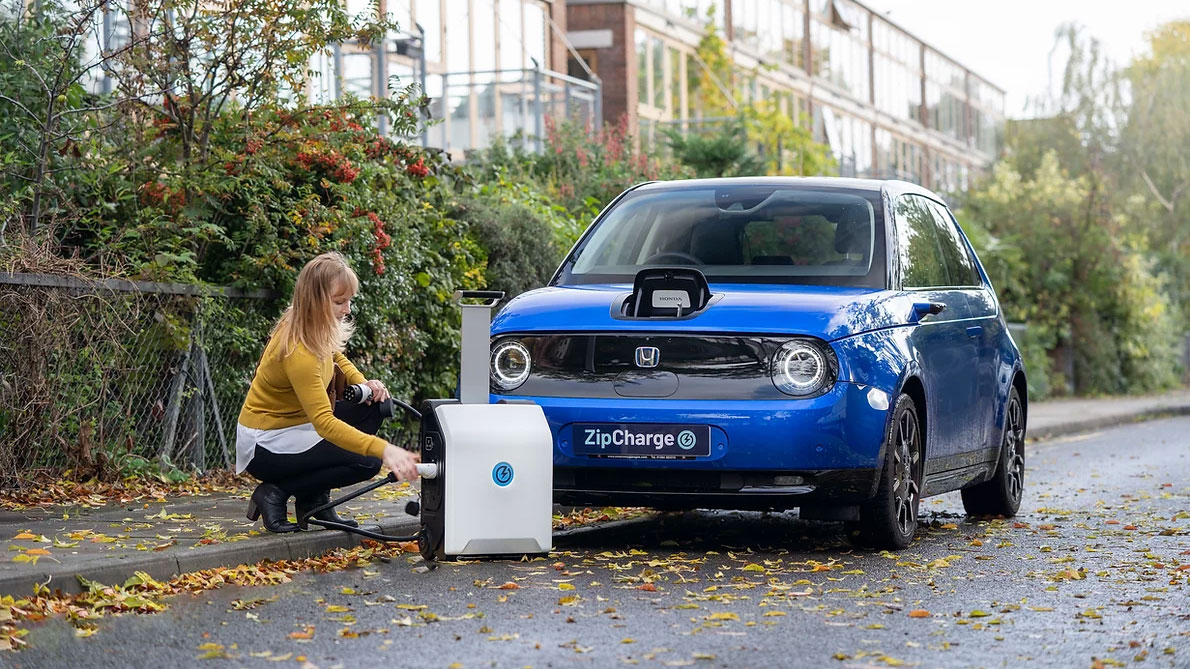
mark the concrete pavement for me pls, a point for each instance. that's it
(1056, 418)
(1092, 572)
(186, 534)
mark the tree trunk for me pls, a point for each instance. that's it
(43, 156)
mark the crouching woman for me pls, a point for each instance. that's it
(292, 435)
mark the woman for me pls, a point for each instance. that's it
(289, 436)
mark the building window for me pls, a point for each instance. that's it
(483, 46)
(674, 86)
(458, 39)
(657, 67)
(535, 35)
(428, 13)
(510, 33)
(642, 67)
(576, 70)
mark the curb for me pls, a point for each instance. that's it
(166, 565)
(607, 525)
(290, 546)
(1066, 429)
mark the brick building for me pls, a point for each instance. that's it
(887, 103)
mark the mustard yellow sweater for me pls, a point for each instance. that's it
(291, 390)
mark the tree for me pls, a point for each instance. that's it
(1085, 226)
(1058, 251)
(47, 108)
(740, 137)
(194, 60)
(724, 153)
(1153, 144)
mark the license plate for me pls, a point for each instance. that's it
(642, 440)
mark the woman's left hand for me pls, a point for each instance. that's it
(379, 392)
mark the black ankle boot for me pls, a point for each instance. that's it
(306, 503)
(269, 500)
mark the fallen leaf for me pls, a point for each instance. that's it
(307, 634)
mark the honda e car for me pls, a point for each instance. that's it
(826, 344)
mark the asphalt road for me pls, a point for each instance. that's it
(1092, 570)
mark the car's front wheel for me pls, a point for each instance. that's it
(889, 520)
(1001, 496)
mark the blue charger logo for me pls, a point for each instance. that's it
(502, 474)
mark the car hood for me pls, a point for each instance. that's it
(827, 312)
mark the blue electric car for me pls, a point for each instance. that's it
(768, 343)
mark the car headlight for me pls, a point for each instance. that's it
(510, 364)
(802, 368)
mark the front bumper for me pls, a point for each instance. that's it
(832, 442)
(666, 489)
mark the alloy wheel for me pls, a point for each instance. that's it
(906, 458)
(1014, 451)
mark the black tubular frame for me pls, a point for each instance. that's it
(308, 517)
(331, 525)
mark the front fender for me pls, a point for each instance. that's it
(881, 358)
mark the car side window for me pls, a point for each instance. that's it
(959, 265)
(922, 264)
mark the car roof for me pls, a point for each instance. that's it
(891, 186)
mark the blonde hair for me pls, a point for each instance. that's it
(310, 319)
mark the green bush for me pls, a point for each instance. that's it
(286, 185)
(1061, 259)
(580, 168)
(522, 236)
(725, 152)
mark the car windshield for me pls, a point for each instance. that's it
(738, 234)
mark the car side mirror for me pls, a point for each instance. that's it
(923, 309)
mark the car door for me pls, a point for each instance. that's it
(943, 347)
(983, 326)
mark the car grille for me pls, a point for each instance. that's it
(689, 367)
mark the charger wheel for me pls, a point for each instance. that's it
(423, 546)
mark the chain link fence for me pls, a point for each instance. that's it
(115, 378)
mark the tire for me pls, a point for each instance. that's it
(1001, 495)
(889, 519)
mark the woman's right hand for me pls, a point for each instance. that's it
(401, 462)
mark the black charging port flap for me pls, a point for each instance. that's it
(659, 292)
